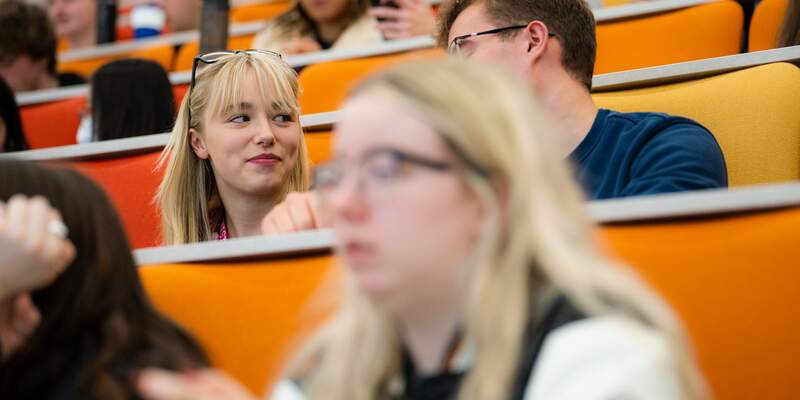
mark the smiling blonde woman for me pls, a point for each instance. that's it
(236, 150)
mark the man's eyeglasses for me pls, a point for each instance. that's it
(455, 45)
(375, 174)
(211, 58)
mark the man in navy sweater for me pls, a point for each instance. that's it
(551, 45)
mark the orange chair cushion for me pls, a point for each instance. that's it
(131, 183)
(734, 282)
(249, 316)
(695, 33)
(259, 12)
(325, 85)
(52, 124)
(162, 54)
(766, 24)
(319, 146)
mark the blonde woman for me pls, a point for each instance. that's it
(472, 269)
(236, 150)
(314, 25)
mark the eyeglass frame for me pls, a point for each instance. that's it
(202, 58)
(494, 31)
(401, 156)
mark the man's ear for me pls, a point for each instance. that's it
(198, 144)
(536, 35)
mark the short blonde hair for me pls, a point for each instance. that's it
(505, 144)
(188, 197)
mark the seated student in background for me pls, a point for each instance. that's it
(96, 326)
(75, 22)
(147, 106)
(551, 45)
(313, 26)
(471, 270)
(12, 137)
(236, 150)
(27, 41)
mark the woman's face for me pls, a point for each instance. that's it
(325, 10)
(252, 146)
(405, 229)
(72, 17)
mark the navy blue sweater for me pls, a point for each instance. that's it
(630, 154)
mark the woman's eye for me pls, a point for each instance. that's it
(239, 119)
(284, 118)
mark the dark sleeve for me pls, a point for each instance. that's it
(679, 157)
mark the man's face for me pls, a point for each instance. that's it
(508, 53)
(23, 73)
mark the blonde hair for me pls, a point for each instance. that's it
(188, 197)
(546, 243)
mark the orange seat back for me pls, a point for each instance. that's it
(52, 124)
(325, 85)
(259, 11)
(162, 54)
(734, 282)
(695, 33)
(766, 24)
(249, 316)
(319, 146)
(185, 57)
(131, 183)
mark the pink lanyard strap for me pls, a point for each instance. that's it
(223, 231)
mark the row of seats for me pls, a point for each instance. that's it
(702, 31)
(734, 293)
(753, 116)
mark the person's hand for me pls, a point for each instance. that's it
(300, 45)
(19, 317)
(412, 18)
(156, 384)
(33, 245)
(299, 211)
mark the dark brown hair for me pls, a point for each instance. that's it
(25, 30)
(570, 20)
(98, 326)
(790, 31)
(147, 107)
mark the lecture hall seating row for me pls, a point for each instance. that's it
(753, 116)
(735, 293)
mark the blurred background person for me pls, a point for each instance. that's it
(75, 22)
(12, 136)
(27, 41)
(790, 30)
(97, 326)
(146, 106)
(314, 25)
(402, 19)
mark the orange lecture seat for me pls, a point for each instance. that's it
(694, 33)
(185, 57)
(733, 280)
(130, 182)
(52, 124)
(325, 85)
(249, 316)
(259, 11)
(766, 24)
(319, 146)
(162, 54)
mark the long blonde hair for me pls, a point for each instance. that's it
(545, 243)
(188, 197)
